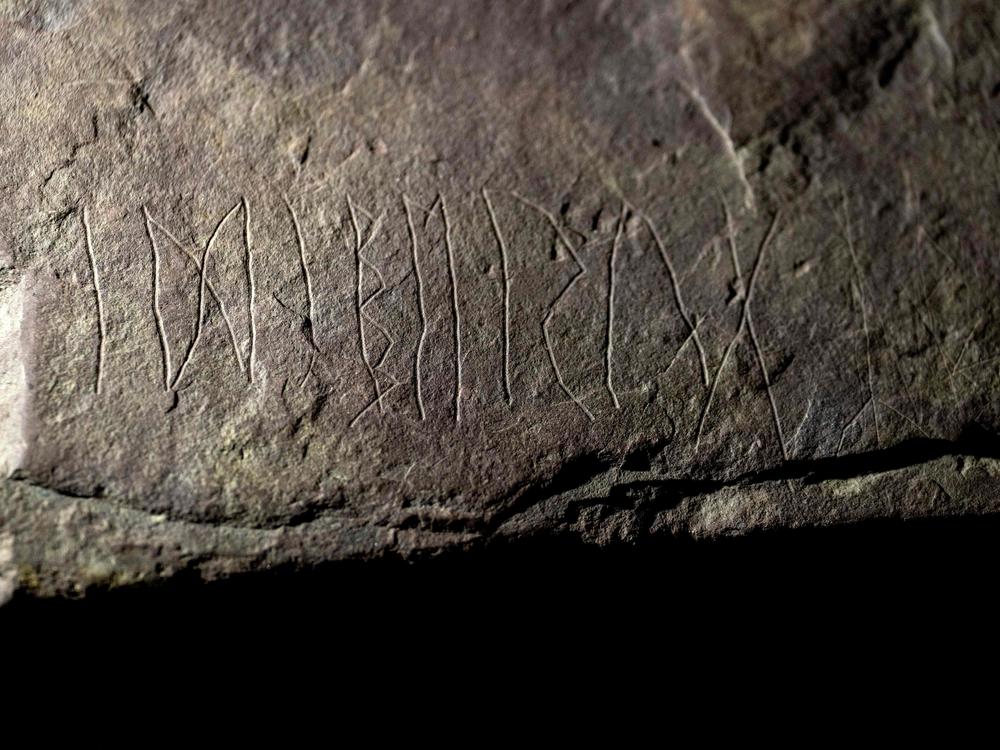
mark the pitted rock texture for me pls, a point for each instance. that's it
(297, 282)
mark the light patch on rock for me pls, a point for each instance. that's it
(8, 574)
(13, 383)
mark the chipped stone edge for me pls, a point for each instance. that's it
(13, 378)
(55, 545)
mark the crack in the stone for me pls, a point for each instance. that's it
(67, 493)
(643, 496)
(658, 494)
(299, 519)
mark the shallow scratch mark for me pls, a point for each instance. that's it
(678, 299)
(767, 386)
(896, 411)
(371, 404)
(429, 211)
(977, 365)
(157, 315)
(751, 329)
(307, 278)
(680, 349)
(961, 354)
(805, 418)
(456, 317)
(420, 306)
(610, 337)
(98, 301)
(850, 423)
(506, 296)
(849, 238)
(580, 273)
(744, 317)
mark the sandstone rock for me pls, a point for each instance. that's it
(291, 283)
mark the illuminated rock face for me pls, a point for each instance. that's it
(291, 283)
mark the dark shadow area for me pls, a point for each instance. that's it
(975, 441)
(880, 562)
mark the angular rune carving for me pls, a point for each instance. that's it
(375, 342)
(363, 263)
(504, 261)
(171, 378)
(745, 322)
(554, 305)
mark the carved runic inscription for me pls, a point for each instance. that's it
(363, 265)
(505, 270)
(98, 302)
(421, 307)
(609, 348)
(376, 339)
(310, 317)
(554, 305)
(206, 287)
(746, 323)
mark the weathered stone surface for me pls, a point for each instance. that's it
(295, 282)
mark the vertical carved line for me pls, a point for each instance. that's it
(98, 301)
(203, 272)
(307, 279)
(744, 316)
(252, 302)
(549, 315)
(212, 291)
(678, 299)
(849, 238)
(506, 296)
(161, 330)
(609, 349)
(360, 302)
(456, 316)
(420, 305)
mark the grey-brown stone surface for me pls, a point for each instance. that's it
(286, 283)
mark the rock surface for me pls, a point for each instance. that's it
(297, 282)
